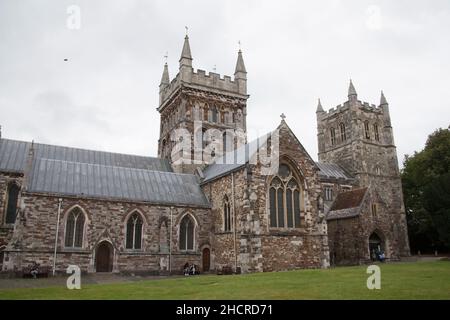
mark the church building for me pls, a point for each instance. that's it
(211, 198)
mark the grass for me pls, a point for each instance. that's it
(420, 280)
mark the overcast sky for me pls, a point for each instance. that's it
(105, 96)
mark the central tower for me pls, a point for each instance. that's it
(198, 103)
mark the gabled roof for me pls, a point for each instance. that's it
(238, 158)
(234, 160)
(331, 170)
(347, 204)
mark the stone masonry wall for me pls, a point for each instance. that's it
(224, 243)
(34, 237)
(345, 241)
(349, 238)
(283, 248)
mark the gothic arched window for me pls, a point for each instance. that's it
(214, 114)
(204, 138)
(226, 214)
(74, 229)
(343, 133)
(205, 114)
(366, 130)
(333, 136)
(285, 199)
(375, 130)
(11, 208)
(134, 232)
(186, 234)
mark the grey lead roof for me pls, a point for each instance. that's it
(237, 159)
(329, 170)
(86, 173)
(14, 154)
(121, 183)
(234, 160)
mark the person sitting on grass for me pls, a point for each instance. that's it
(186, 269)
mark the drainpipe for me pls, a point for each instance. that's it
(234, 222)
(170, 241)
(56, 235)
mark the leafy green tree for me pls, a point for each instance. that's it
(437, 203)
(426, 188)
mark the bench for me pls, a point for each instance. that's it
(42, 272)
(225, 270)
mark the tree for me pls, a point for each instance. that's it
(437, 203)
(426, 188)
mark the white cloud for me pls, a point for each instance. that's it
(374, 19)
(294, 51)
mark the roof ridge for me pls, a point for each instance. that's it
(82, 149)
(240, 149)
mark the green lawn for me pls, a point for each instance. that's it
(421, 280)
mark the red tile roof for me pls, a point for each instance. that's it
(349, 199)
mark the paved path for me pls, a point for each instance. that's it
(429, 258)
(61, 280)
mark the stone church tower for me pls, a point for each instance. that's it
(358, 137)
(202, 115)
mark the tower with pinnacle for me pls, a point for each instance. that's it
(202, 115)
(358, 136)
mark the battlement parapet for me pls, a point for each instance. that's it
(214, 80)
(201, 78)
(344, 106)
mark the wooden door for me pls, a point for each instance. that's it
(104, 257)
(206, 259)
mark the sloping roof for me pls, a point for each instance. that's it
(331, 170)
(86, 173)
(234, 160)
(122, 183)
(14, 154)
(347, 204)
(349, 199)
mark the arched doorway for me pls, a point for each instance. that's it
(375, 245)
(104, 257)
(206, 259)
